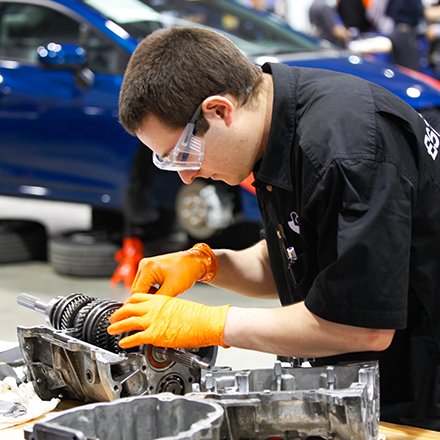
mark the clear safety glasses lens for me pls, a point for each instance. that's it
(186, 155)
(189, 151)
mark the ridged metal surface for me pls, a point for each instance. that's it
(153, 417)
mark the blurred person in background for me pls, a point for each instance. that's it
(376, 13)
(432, 16)
(275, 6)
(339, 21)
(346, 176)
(353, 14)
(327, 23)
(406, 16)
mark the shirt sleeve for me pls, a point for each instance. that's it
(362, 212)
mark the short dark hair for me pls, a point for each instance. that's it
(173, 70)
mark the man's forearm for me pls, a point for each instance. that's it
(295, 331)
(247, 272)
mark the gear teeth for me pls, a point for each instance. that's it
(88, 318)
(91, 324)
(102, 338)
(65, 310)
(81, 318)
(72, 309)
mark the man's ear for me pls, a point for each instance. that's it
(218, 107)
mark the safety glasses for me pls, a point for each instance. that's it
(188, 152)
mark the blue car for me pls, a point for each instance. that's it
(61, 67)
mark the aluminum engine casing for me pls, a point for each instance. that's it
(164, 416)
(334, 402)
(62, 365)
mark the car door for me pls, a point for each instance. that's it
(59, 134)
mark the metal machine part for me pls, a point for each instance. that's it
(204, 209)
(76, 358)
(327, 403)
(153, 417)
(335, 402)
(338, 402)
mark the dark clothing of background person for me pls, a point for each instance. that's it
(353, 14)
(409, 12)
(406, 15)
(356, 195)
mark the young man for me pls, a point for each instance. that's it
(347, 177)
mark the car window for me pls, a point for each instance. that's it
(25, 27)
(102, 55)
(134, 16)
(253, 33)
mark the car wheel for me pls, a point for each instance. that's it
(204, 209)
(22, 240)
(211, 213)
(84, 253)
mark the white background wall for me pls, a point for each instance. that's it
(297, 13)
(294, 11)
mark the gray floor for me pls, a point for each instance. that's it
(38, 279)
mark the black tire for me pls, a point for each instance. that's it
(84, 253)
(22, 240)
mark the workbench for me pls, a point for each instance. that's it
(399, 432)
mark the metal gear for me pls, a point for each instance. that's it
(72, 309)
(64, 310)
(92, 321)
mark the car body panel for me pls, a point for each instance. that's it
(62, 138)
(414, 92)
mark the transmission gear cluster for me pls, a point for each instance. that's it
(75, 356)
(88, 317)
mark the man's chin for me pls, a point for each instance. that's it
(231, 181)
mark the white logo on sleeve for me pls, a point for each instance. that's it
(294, 222)
(431, 140)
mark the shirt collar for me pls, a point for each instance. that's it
(276, 164)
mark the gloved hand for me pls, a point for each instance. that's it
(176, 272)
(128, 257)
(164, 321)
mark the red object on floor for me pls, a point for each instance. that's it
(128, 257)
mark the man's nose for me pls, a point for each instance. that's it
(187, 176)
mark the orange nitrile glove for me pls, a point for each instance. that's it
(174, 273)
(128, 256)
(165, 321)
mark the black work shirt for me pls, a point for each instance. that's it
(349, 193)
